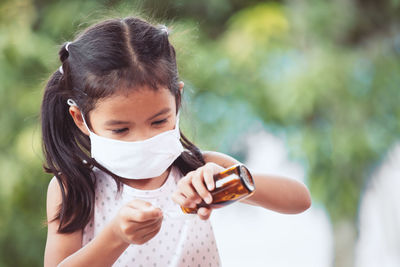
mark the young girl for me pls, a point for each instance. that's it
(122, 168)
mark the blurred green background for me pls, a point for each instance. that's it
(323, 74)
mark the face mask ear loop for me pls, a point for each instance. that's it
(72, 103)
(177, 120)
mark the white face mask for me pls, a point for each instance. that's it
(136, 160)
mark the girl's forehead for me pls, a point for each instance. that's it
(138, 102)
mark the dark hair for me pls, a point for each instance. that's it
(116, 54)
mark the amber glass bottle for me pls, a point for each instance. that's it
(231, 185)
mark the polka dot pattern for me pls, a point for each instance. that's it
(180, 242)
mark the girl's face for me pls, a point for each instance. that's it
(136, 116)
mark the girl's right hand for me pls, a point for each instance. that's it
(137, 222)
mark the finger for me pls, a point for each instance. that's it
(149, 235)
(132, 227)
(144, 235)
(148, 224)
(200, 187)
(140, 204)
(204, 213)
(144, 206)
(181, 200)
(186, 188)
(144, 214)
(208, 174)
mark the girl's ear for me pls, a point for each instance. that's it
(181, 84)
(179, 99)
(77, 117)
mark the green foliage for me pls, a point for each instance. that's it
(338, 103)
(318, 71)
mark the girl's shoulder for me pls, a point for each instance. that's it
(54, 197)
(219, 158)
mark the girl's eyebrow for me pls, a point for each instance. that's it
(163, 111)
(117, 122)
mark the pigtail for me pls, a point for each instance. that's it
(191, 159)
(65, 149)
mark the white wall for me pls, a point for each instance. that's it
(253, 236)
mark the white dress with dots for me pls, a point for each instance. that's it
(183, 240)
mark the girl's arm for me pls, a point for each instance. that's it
(136, 223)
(66, 249)
(272, 192)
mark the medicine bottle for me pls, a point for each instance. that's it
(231, 185)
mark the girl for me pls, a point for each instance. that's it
(122, 168)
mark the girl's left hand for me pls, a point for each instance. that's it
(195, 187)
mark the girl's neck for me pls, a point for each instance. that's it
(149, 183)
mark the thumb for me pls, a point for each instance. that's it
(144, 211)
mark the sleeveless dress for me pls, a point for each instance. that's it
(183, 240)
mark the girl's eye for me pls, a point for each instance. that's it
(117, 131)
(159, 122)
